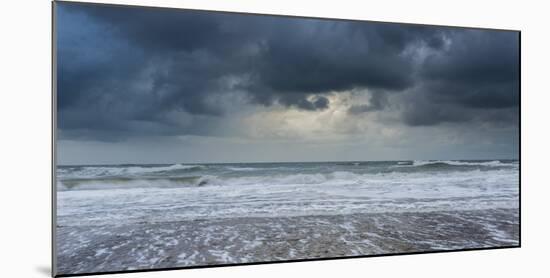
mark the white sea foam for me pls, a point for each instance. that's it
(339, 192)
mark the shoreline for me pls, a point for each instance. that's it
(84, 249)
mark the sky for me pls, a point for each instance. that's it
(149, 85)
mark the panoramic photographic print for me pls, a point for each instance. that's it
(190, 138)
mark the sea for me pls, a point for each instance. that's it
(142, 216)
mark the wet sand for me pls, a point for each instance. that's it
(85, 249)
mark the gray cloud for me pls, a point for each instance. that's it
(476, 78)
(125, 72)
(377, 101)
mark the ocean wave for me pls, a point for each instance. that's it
(338, 192)
(242, 168)
(422, 163)
(114, 171)
(196, 181)
(128, 183)
(336, 178)
(339, 178)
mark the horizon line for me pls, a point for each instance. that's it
(267, 162)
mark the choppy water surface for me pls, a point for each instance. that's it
(150, 216)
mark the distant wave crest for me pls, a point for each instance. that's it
(494, 163)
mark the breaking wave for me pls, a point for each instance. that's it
(120, 171)
(333, 179)
(440, 163)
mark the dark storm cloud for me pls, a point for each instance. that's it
(476, 78)
(126, 71)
